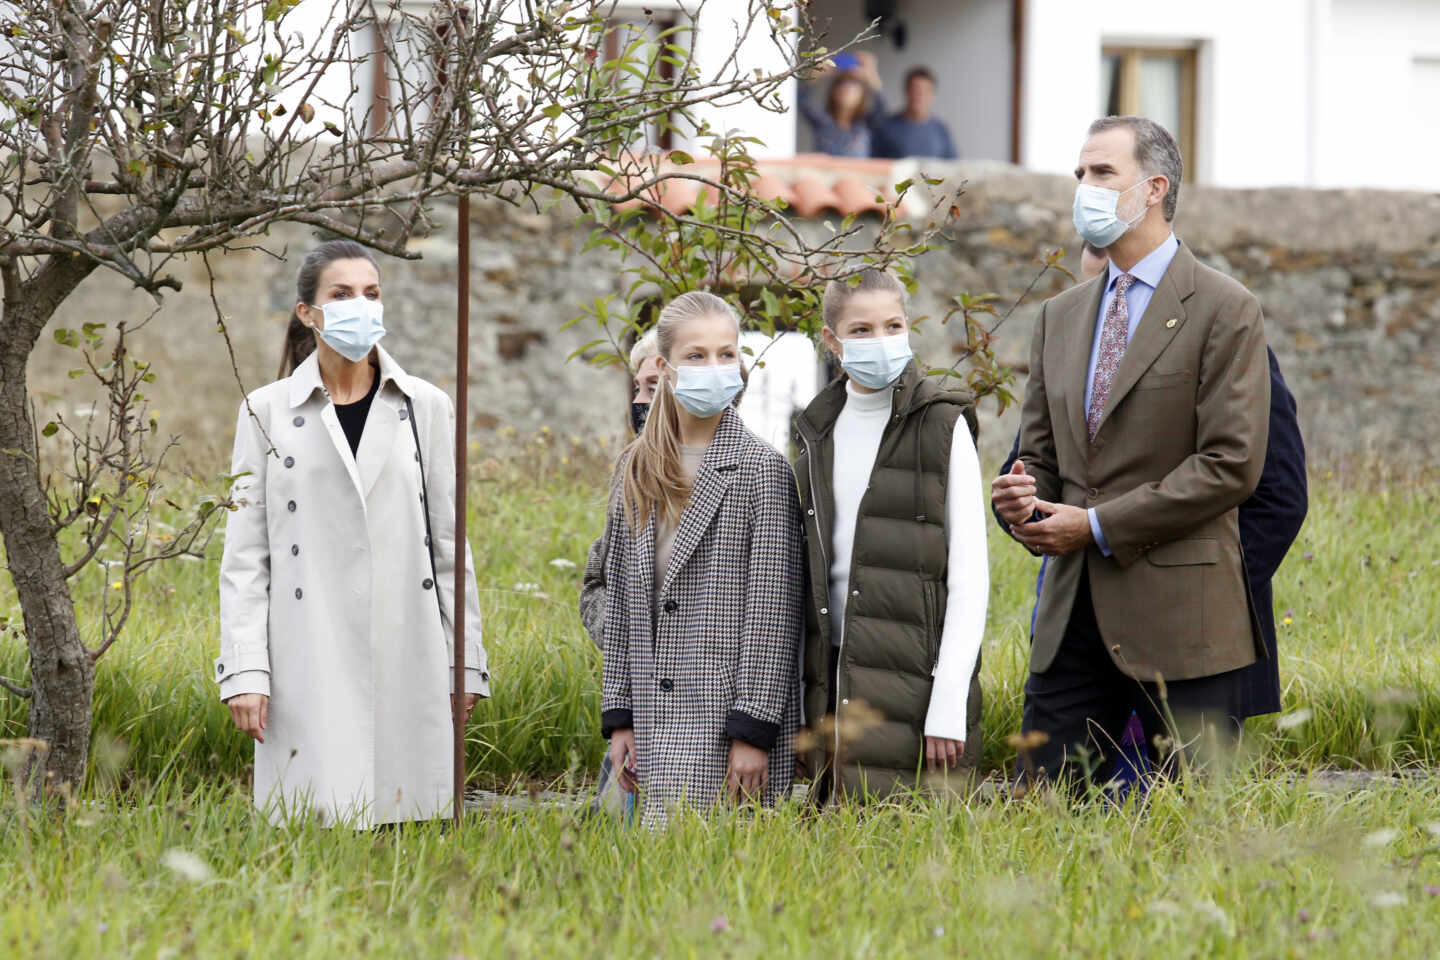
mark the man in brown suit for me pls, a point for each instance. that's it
(1144, 426)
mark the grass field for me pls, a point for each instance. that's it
(165, 858)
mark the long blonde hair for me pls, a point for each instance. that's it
(654, 476)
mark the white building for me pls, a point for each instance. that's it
(1323, 93)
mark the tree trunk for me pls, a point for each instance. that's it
(62, 674)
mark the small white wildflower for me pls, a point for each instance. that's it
(1388, 898)
(187, 865)
(1295, 718)
(527, 587)
(1381, 838)
(939, 931)
(561, 563)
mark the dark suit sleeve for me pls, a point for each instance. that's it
(1271, 519)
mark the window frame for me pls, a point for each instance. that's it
(1129, 55)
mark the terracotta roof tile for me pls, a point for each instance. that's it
(812, 184)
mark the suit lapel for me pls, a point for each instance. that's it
(1155, 330)
(708, 492)
(377, 442)
(1079, 338)
(341, 445)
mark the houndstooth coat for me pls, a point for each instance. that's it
(720, 659)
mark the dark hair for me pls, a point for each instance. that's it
(1156, 153)
(923, 72)
(300, 339)
(831, 106)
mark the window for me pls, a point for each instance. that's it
(1153, 82)
(643, 35)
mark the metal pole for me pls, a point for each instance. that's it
(462, 471)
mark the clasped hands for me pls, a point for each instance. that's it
(1063, 529)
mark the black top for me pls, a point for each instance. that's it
(352, 415)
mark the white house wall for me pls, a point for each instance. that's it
(1380, 117)
(1252, 118)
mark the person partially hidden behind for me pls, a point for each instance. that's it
(1270, 520)
(1144, 427)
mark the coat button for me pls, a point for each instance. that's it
(417, 456)
(427, 539)
(845, 702)
(290, 506)
(854, 593)
(1115, 649)
(299, 421)
(289, 461)
(219, 668)
(299, 593)
(667, 684)
(810, 512)
(1094, 492)
(671, 606)
(824, 611)
(404, 414)
(427, 583)
(294, 549)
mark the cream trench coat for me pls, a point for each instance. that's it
(328, 603)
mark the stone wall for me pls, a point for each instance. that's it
(1350, 283)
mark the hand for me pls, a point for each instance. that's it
(869, 69)
(1013, 495)
(470, 700)
(749, 770)
(622, 758)
(943, 752)
(1065, 529)
(251, 713)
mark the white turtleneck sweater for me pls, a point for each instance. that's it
(856, 442)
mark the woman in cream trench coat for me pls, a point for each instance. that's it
(328, 600)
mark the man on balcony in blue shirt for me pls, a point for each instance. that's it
(914, 131)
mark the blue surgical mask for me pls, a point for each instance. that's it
(876, 362)
(353, 326)
(1096, 217)
(707, 389)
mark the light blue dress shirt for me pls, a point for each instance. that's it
(1147, 274)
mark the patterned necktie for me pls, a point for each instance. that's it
(1114, 336)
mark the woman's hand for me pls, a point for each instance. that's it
(470, 700)
(622, 757)
(943, 753)
(251, 713)
(749, 770)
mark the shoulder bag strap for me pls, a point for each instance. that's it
(425, 504)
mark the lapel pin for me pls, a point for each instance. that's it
(1170, 324)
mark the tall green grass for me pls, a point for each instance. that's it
(1245, 868)
(1357, 602)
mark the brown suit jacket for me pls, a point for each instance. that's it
(1181, 443)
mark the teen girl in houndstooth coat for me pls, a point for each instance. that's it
(704, 575)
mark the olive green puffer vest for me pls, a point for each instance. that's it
(874, 741)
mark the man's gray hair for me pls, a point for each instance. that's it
(1155, 151)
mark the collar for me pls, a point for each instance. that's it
(879, 400)
(1150, 268)
(306, 378)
